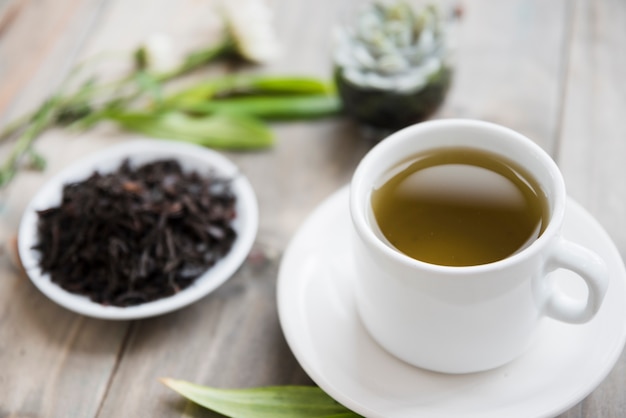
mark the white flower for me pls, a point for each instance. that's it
(251, 25)
(160, 54)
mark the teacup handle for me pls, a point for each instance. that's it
(591, 268)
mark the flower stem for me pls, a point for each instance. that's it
(121, 93)
(13, 127)
(198, 59)
(42, 119)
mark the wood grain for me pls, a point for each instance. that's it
(592, 148)
(45, 350)
(551, 70)
(510, 65)
(38, 47)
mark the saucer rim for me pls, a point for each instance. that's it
(317, 375)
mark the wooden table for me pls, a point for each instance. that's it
(553, 70)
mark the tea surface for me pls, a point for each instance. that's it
(460, 207)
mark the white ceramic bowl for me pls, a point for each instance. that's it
(191, 157)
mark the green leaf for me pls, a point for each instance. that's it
(42, 119)
(291, 85)
(272, 107)
(348, 414)
(219, 130)
(200, 58)
(148, 84)
(37, 161)
(230, 85)
(263, 402)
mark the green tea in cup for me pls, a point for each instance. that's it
(457, 206)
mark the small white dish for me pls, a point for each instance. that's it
(319, 319)
(191, 157)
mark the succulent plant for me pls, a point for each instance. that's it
(391, 64)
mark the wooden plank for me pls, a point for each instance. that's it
(230, 339)
(593, 147)
(45, 350)
(592, 142)
(53, 362)
(509, 65)
(33, 63)
(233, 338)
(45, 353)
(9, 9)
(38, 46)
(509, 70)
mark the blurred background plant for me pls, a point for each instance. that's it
(226, 111)
(393, 62)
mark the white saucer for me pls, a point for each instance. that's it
(318, 316)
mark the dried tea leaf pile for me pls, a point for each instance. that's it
(137, 234)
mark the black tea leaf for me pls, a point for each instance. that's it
(137, 234)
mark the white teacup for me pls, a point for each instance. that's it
(474, 318)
